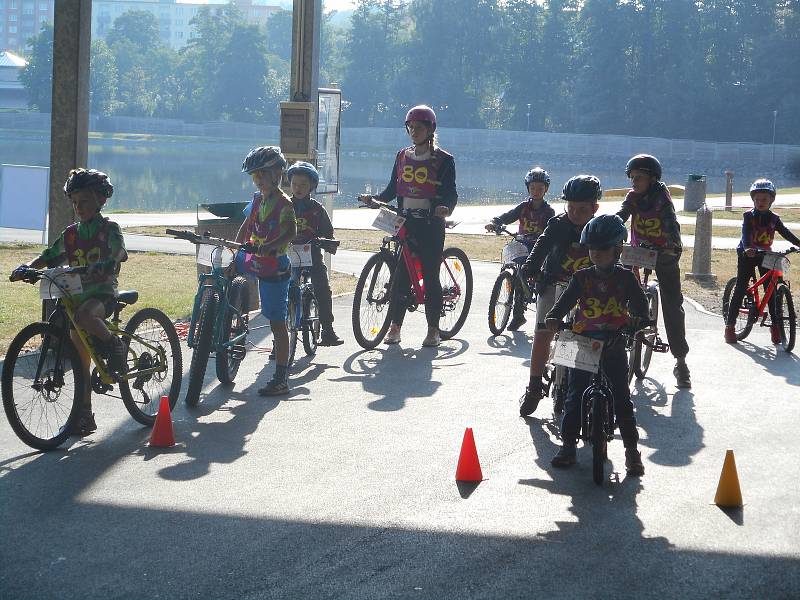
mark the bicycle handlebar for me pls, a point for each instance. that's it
(630, 328)
(207, 238)
(31, 275)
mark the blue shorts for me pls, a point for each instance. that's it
(274, 299)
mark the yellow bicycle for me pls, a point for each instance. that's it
(43, 382)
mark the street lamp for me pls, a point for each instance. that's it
(774, 123)
(529, 116)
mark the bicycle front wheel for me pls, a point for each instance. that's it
(372, 301)
(291, 322)
(643, 346)
(209, 306)
(598, 437)
(155, 351)
(786, 317)
(234, 324)
(311, 326)
(455, 273)
(42, 385)
(501, 302)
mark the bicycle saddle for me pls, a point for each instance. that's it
(127, 296)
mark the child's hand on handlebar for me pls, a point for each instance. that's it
(18, 273)
(490, 227)
(366, 198)
(750, 252)
(442, 212)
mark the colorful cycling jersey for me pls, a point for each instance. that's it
(312, 220)
(417, 178)
(575, 259)
(272, 217)
(603, 301)
(653, 222)
(647, 226)
(762, 226)
(532, 221)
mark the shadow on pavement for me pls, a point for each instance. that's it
(774, 360)
(515, 343)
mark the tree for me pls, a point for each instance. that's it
(279, 34)
(240, 85)
(37, 76)
(103, 79)
(139, 27)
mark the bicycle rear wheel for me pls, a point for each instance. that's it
(455, 273)
(748, 313)
(311, 325)
(371, 302)
(598, 437)
(234, 324)
(152, 343)
(209, 306)
(784, 312)
(41, 409)
(500, 302)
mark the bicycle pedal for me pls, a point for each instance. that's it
(237, 352)
(660, 346)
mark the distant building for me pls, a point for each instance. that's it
(21, 20)
(12, 92)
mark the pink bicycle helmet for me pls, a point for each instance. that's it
(424, 114)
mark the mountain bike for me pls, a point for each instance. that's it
(43, 381)
(642, 261)
(303, 313)
(778, 291)
(371, 304)
(509, 283)
(219, 321)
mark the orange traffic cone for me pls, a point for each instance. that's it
(469, 467)
(729, 495)
(162, 436)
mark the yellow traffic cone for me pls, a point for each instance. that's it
(729, 495)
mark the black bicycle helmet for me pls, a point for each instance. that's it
(644, 162)
(263, 157)
(763, 185)
(604, 231)
(81, 179)
(537, 174)
(582, 188)
(304, 168)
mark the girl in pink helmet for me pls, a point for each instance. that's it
(423, 179)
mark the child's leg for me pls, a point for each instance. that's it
(274, 306)
(745, 270)
(577, 382)
(540, 352)
(322, 290)
(89, 317)
(86, 366)
(616, 369)
(669, 285)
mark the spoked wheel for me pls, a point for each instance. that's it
(559, 389)
(153, 349)
(43, 384)
(643, 343)
(501, 302)
(291, 323)
(786, 317)
(748, 313)
(204, 333)
(455, 273)
(311, 325)
(234, 323)
(371, 302)
(598, 438)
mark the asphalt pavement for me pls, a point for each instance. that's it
(345, 488)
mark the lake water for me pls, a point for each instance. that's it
(176, 174)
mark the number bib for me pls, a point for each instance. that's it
(762, 231)
(531, 221)
(602, 306)
(81, 253)
(417, 178)
(266, 228)
(577, 258)
(647, 226)
(308, 222)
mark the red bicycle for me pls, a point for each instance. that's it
(371, 305)
(754, 307)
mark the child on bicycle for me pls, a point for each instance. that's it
(758, 231)
(655, 225)
(423, 179)
(608, 297)
(96, 242)
(556, 255)
(533, 215)
(313, 222)
(270, 226)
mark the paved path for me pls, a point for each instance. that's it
(345, 489)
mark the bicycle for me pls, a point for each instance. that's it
(508, 283)
(219, 322)
(43, 383)
(371, 304)
(754, 308)
(303, 311)
(642, 261)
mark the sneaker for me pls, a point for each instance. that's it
(117, 355)
(517, 322)
(775, 332)
(681, 372)
(533, 393)
(432, 339)
(83, 425)
(274, 388)
(565, 457)
(393, 337)
(633, 462)
(730, 334)
(329, 338)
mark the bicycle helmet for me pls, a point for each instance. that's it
(644, 162)
(424, 114)
(263, 157)
(81, 179)
(537, 174)
(763, 185)
(604, 231)
(304, 168)
(582, 188)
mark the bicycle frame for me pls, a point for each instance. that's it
(299, 285)
(774, 277)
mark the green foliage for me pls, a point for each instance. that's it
(37, 76)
